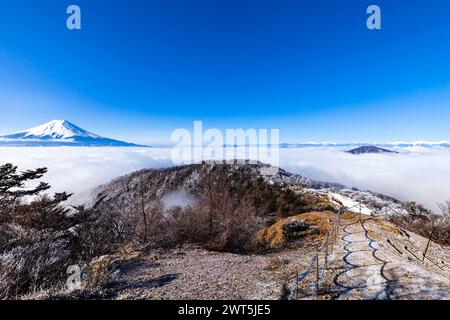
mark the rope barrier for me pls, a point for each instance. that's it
(331, 239)
(315, 260)
(408, 246)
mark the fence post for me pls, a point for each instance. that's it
(326, 251)
(428, 244)
(336, 231)
(360, 213)
(317, 274)
(296, 285)
(332, 236)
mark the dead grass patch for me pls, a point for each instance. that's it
(387, 227)
(275, 236)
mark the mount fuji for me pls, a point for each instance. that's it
(59, 133)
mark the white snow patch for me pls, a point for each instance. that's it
(57, 129)
(350, 204)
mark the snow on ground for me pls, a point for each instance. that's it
(366, 266)
(416, 174)
(350, 204)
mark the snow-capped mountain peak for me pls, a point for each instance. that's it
(55, 129)
(59, 133)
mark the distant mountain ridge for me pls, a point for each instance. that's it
(59, 133)
(399, 144)
(369, 149)
(64, 133)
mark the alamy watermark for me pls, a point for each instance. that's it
(374, 20)
(74, 280)
(73, 21)
(232, 146)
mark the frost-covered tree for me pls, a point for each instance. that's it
(34, 236)
(40, 236)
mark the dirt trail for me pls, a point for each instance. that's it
(365, 266)
(194, 273)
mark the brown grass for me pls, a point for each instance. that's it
(274, 236)
(387, 227)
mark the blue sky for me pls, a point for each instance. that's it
(139, 69)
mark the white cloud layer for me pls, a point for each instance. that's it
(416, 174)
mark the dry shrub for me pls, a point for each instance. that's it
(40, 236)
(221, 219)
(426, 223)
(230, 215)
(445, 208)
(33, 267)
(216, 223)
(98, 272)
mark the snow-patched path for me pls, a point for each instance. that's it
(365, 266)
(361, 270)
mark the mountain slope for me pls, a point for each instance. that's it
(368, 257)
(59, 133)
(309, 195)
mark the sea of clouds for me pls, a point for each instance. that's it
(415, 174)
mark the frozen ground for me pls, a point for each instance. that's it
(416, 174)
(365, 264)
(370, 259)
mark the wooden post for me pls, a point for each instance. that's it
(326, 252)
(337, 225)
(317, 274)
(334, 231)
(360, 213)
(428, 245)
(296, 285)
(332, 236)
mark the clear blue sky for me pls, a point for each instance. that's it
(140, 68)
